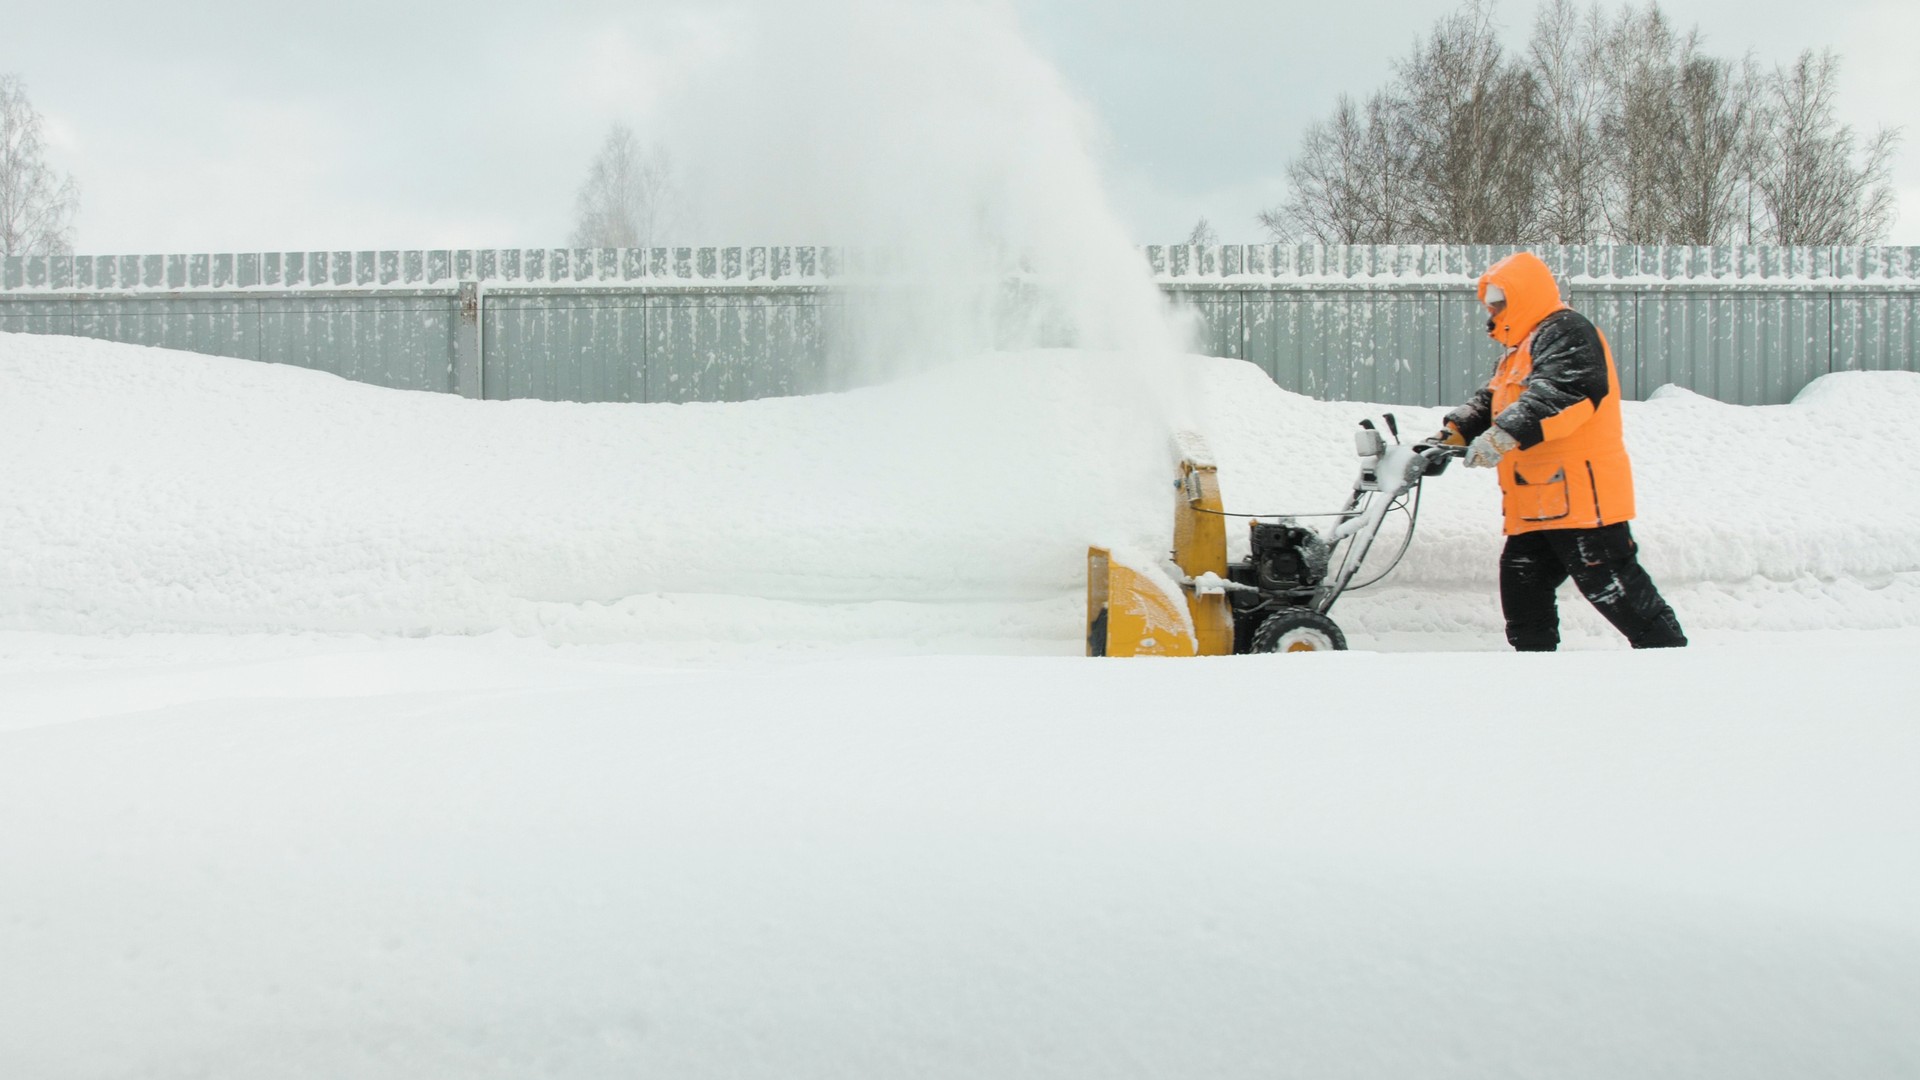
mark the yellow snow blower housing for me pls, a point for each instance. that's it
(1142, 607)
(1276, 599)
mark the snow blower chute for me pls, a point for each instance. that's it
(1277, 598)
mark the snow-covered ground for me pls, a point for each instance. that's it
(350, 732)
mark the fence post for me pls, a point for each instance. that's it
(467, 365)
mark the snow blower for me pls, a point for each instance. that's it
(1277, 598)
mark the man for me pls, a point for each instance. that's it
(1549, 420)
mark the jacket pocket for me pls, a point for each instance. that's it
(1541, 500)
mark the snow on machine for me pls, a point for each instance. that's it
(1277, 598)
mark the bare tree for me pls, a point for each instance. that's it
(1611, 127)
(37, 204)
(1567, 56)
(1639, 128)
(1444, 154)
(1203, 234)
(629, 198)
(1704, 200)
(1351, 182)
(1754, 138)
(1474, 128)
(1677, 128)
(1810, 186)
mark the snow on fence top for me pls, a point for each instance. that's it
(1178, 265)
(1595, 263)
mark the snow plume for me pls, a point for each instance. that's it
(934, 139)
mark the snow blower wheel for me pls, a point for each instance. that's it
(1297, 630)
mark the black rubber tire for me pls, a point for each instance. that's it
(1097, 635)
(1244, 624)
(1298, 630)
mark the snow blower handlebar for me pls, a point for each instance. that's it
(1387, 473)
(1438, 456)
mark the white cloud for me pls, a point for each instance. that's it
(473, 122)
(259, 175)
(62, 136)
(629, 65)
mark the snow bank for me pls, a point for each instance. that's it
(153, 490)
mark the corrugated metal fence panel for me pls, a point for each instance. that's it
(512, 329)
(402, 343)
(405, 344)
(1401, 348)
(704, 348)
(1466, 355)
(36, 317)
(1393, 324)
(737, 348)
(608, 350)
(1278, 339)
(1218, 322)
(566, 348)
(681, 341)
(1752, 348)
(1352, 346)
(1780, 344)
(1876, 332)
(206, 325)
(1401, 361)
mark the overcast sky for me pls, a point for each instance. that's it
(253, 126)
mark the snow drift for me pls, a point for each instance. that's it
(153, 490)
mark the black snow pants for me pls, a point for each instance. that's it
(1605, 564)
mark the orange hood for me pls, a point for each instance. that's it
(1532, 295)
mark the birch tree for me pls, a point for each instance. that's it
(1567, 55)
(37, 203)
(1444, 154)
(629, 198)
(1705, 202)
(1476, 135)
(1352, 182)
(1610, 127)
(1813, 187)
(1676, 130)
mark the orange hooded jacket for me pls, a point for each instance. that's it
(1557, 393)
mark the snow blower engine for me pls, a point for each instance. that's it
(1277, 598)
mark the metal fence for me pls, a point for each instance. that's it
(1389, 324)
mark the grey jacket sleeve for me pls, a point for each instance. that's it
(1475, 416)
